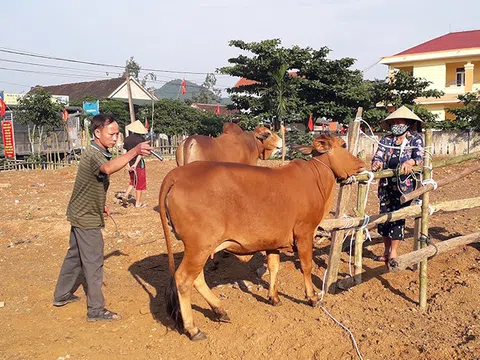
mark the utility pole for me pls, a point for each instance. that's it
(130, 101)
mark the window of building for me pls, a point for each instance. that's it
(460, 76)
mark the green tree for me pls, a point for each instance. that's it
(402, 89)
(259, 97)
(133, 68)
(468, 116)
(174, 117)
(40, 113)
(208, 94)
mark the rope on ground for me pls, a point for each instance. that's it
(346, 329)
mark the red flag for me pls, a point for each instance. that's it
(310, 123)
(217, 110)
(64, 115)
(3, 108)
(146, 124)
(184, 87)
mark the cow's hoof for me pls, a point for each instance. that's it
(275, 302)
(223, 318)
(315, 302)
(198, 336)
(221, 315)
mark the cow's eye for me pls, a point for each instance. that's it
(344, 145)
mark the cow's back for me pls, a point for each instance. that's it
(247, 203)
(238, 148)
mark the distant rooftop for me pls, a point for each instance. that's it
(450, 41)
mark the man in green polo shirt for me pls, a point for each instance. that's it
(85, 212)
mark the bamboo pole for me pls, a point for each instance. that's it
(427, 174)
(359, 234)
(423, 189)
(342, 204)
(412, 211)
(402, 262)
(416, 237)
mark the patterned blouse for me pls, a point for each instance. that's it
(392, 158)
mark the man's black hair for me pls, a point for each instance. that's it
(100, 121)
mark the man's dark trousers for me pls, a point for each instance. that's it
(85, 254)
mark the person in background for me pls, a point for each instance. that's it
(400, 150)
(136, 167)
(85, 212)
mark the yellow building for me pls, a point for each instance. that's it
(451, 62)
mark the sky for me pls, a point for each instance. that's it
(193, 36)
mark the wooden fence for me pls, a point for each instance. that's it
(444, 143)
(421, 213)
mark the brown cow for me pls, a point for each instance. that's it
(233, 145)
(246, 209)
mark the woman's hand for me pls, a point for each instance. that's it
(407, 167)
(377, 165)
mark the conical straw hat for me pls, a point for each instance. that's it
(137, 127)
(401, 113)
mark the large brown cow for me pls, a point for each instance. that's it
(233, 145)
(246, 209)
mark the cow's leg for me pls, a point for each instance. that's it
(189, 269)
(273, 264)
(210, 297)
(305, 253)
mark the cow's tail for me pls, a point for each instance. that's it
(172, 301)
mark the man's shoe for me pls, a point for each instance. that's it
(67, 300)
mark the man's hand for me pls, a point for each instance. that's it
(407, 167)
(377, 165)
(106, 211)
(143, 148)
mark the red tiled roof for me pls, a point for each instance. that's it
(245, 82)
(451, 41)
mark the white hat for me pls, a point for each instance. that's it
(401, 113)
(137, 127)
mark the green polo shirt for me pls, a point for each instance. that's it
(85, 209)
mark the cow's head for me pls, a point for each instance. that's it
(342, 163)
(268, 141)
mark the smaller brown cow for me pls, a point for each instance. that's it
(234, 145)
(245, 209)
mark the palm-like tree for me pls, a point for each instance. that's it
(279, 77)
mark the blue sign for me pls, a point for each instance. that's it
(91, 108)
(1, 95)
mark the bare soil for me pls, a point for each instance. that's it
(382, 312)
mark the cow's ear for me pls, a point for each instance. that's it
(305, 150)
(322, 144)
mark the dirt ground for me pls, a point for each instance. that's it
(382, 312)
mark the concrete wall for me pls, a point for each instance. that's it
(445, 143)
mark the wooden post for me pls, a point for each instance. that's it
(427, 174)
(130, 100)
(342, 204)
(359, 234)
(416, 238)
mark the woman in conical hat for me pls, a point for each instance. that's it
(136, 168)
(400, 150)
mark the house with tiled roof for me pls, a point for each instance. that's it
(450, 62)
(115, 88)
